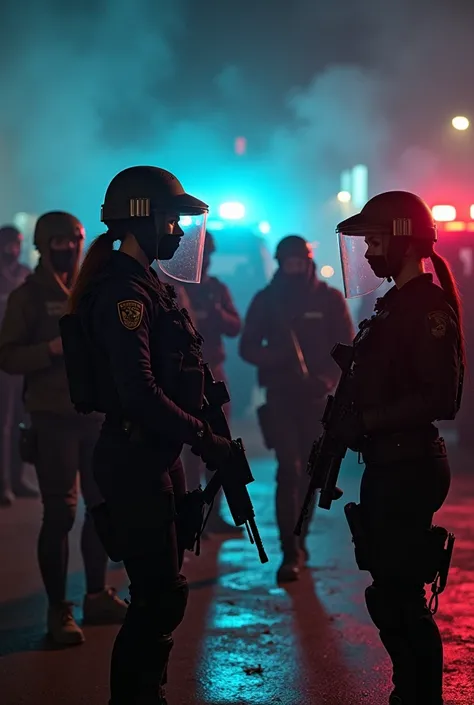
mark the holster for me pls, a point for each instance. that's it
(267, 425)
(190, 520)
(28, 444)
(437, 559)
(130, 527)
(359, 538)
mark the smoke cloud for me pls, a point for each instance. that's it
(89, 90)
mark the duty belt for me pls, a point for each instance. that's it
(402, 446)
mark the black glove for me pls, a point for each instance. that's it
(214, 450)
(349, 428)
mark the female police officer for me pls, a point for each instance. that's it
(147, 367)
(407, 373)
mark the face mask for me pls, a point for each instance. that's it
(8, 258)
(63, 261)
(168, 246)
(379, 266)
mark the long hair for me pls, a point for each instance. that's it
(449, 286)
(97, 256)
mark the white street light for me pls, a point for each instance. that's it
(460, 123)
(344, 196)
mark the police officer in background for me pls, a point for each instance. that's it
(408, 368)
(215, 316)
(146, 359)
(12, 483)
(289, 332)
(61, 443)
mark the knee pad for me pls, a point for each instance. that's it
(58, 515)
(390, 608)
(165, 608)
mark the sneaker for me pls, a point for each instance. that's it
(105, 607)
(62, 627)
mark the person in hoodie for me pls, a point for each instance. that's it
(288, 334)
(214, 314)
(30, 345)
(12, 482)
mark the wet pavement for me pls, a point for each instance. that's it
(245, 640)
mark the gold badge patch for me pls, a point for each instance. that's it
(130, 313)
(438, 321)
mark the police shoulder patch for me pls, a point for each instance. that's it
(438, 323)
(130, 313)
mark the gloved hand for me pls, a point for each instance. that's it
(349, 428)
(214, 450)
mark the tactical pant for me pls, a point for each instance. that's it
(294, 429)
(193, 465)
(11, 415)
(141, 488)
(397, 502)
(65, 445)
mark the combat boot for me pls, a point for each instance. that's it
(289, 570)
(62, 627)
(105, 607)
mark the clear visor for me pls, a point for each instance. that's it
(186, 263)
(358, 276)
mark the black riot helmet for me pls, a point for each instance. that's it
(399, 218)
(140, 198)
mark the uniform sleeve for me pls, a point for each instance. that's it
(229, 316)
(251, 347)
(341, 326)
(437, 369)
(17, 355)
(122, 322)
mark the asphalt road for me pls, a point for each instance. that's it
(245, 640)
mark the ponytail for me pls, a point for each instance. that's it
(448, 284)
(96, 258)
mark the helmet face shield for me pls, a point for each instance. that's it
(186, 264)
(358, 276)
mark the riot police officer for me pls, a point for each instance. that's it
(60, 442)
(146, 358)
(12, 274)
(215, 316)
(407, 373)
(288, 334)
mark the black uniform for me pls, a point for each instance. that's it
(148, 370)
(316, 315)
(407, 374)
